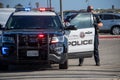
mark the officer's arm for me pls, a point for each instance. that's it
(99, 23)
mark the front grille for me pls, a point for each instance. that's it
(29, 42)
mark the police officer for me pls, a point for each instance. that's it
(97, 25)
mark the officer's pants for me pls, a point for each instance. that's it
(96, 51)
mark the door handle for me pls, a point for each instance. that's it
(88, 32)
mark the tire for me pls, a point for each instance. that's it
(3, 66)
(115, 30)
(64, 65)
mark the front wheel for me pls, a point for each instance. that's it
(4, 67)
(64, 65)
(115, 30)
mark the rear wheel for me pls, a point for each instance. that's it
(115, 30)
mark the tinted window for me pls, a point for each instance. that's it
(69, 18)
(108, 17)
(116, 17)
(34, 22)
(82, 21)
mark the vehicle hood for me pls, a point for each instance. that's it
(33, 31)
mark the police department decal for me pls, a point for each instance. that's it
(81, 42)
(82, 35)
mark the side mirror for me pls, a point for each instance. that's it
(1, 26)
(70, 27)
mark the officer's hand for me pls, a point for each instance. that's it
(100, 24)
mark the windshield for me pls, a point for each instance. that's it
(34, 22)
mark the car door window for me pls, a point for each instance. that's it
(82, 21)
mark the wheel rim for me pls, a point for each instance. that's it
(116, 30)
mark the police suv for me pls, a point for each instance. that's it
(40, 37)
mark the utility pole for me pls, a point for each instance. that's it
(50, 4)
(47, 3)
(61, 11)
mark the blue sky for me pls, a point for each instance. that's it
(67, 4)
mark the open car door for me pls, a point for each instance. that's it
(81, 41)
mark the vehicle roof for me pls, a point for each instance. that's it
(35, 13)
(111, 13)
(7, 10)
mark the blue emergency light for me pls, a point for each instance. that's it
(23, 9)
(5, 50)
(27, 9)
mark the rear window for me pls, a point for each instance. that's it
(116, 17)
(34, 22)
(82, 20)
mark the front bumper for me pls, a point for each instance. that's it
(14, 60)
(42, 54)
(19, 51)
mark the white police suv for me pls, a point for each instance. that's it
(39, 37)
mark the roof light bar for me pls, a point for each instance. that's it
(27, 9)
(45, 9)
(23, 9)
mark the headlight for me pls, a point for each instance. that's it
(59, 50)
(8, 39)
(5, 50)
(57, 39)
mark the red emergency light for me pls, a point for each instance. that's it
(42, 9)
(41, 36)
(45, 9)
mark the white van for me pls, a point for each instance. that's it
(4, 15)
